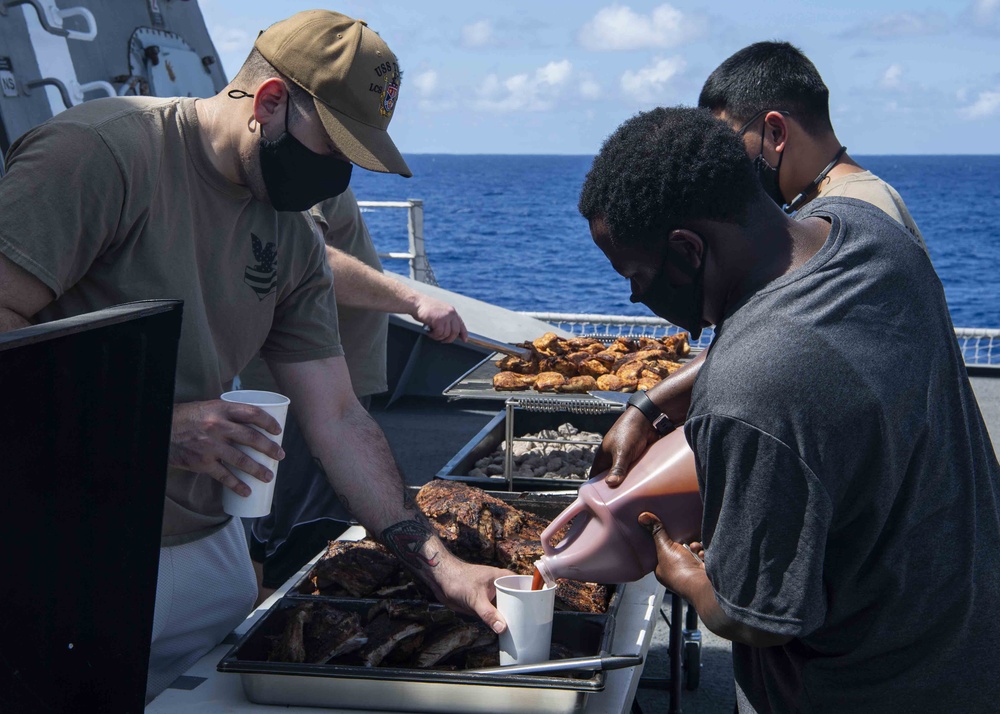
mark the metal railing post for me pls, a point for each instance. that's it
(420, 268)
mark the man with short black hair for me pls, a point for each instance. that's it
(136, 197)
(840, 452)
(775, 98)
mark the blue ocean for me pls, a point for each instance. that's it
(505, 229)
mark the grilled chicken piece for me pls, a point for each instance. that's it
(669, 365)
(655, 369)
(648, 343)
(595, 348)
(578, 385)
(614, 383)
(630, 371)
(608, 358)
(548, 381)
(564, 367)
(578, 357)
(582, 343)
(623, 345)
(445, 643)
(593, 368)
(331, 633)
(512, 382)
(549, 344)
(678, 344)
(510, 363)
(647, 382)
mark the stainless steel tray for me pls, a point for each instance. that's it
(494, 433)
(415, 690)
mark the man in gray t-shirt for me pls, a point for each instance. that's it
(851, 528)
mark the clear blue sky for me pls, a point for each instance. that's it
(556, 77)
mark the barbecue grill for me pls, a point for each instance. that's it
(685, 644)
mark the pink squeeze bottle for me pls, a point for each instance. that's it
(606, 544)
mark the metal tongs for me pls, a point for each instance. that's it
(497, 346)
(597, 662)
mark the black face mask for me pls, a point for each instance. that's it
(681, 305)
(767, 174)
(296, 178)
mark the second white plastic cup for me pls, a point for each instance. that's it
(528, 637)
(258, 503)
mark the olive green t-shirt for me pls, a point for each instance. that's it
(362, 332)
(116, 200)
(866, 186)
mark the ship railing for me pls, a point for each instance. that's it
(416, 255)
(980, 346)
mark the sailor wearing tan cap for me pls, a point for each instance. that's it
(136, 197)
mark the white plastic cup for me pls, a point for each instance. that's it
(528, 637)
(258, 503)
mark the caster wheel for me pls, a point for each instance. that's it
(692, 665)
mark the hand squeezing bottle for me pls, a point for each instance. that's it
(606, 544)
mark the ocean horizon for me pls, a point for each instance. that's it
(504, 228)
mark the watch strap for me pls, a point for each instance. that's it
(660, 422)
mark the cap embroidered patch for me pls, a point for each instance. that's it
(390, 92)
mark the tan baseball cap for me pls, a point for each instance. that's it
(352, 75)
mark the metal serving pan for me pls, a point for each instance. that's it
(491, 436)
(415, 690)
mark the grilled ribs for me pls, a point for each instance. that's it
(316, 633)
(481, 528)
(359, 568)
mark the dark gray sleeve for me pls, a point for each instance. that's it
(765, 526)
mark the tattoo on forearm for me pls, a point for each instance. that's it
(406, 539)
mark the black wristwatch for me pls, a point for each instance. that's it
(660, 421)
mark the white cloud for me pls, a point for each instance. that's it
(478, 34)
(555, 72)
(590, 89)
(647, 84)
(891, 77)
(426, 82)
(534, 92)
(618, 27)
(987, 104)
(230, 39)
(985, 11)
(903, 24)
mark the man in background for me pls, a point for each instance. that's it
(774, 98)
(306, 512)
